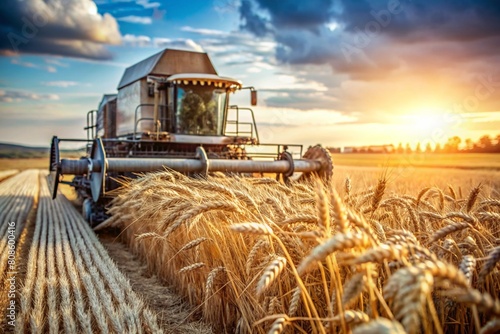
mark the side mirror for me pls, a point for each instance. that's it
(253, 97)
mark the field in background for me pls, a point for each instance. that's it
(463, 161)
(410, 180)
(23, 164)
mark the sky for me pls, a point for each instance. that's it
(335, 72)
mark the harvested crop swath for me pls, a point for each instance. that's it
(17, 196)
(71, 284)
(257, 256)
(7, 173)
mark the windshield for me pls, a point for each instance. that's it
(200, 109)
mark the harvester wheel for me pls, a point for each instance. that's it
(323, 155)
(87, 210)
(54, 154)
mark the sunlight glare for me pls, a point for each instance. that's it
(427, 120)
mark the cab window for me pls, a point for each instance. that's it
(200, 109)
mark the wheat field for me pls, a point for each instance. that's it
(256, 256)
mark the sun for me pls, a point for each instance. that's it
(427, 120)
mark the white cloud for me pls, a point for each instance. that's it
(60, 27)
(161, 42)
(10, 96)
(147, 4)
(55, 62)
(61, 84)
(136, 19)
(178, 43)
(205, 32)
(254, 70)
(17, 61)
(137, 40)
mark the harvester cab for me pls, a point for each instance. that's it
(172, 110)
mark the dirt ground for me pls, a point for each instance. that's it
(173, 315)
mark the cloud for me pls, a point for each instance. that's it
(305, 35)
(55, 62)
(10, 96)
(204, 32)
(251, 21)
(136, 19)
(161, 42)
(71, 28)
(399, 55)
(439, 19)
(137, 40)
(61, 84)
(292, 14)
(17, 61)
(179, 43)
(147, 4)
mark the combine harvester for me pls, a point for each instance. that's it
(172, 111)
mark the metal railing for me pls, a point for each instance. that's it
(252, 133)
(91, 124)
(294, 149)
(137, 121)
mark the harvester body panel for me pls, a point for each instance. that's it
(106, 117)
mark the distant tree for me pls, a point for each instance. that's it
(485, 142)
(469, 144)
(400, 148)
(497, 144)
(456, 143)
(418, 149)
(428, 148)
(408, 148)
(452, 144)
(438, 148)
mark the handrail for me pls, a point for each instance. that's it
(90, 120)
(149, 119)
(250, 132)
(137, 121)
(237, 121)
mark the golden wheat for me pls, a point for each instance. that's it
(318, 262)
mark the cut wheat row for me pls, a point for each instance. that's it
(258, 256)
(71, 283)
(5, 174)
(17, 196)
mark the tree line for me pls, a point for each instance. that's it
(455, 144)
